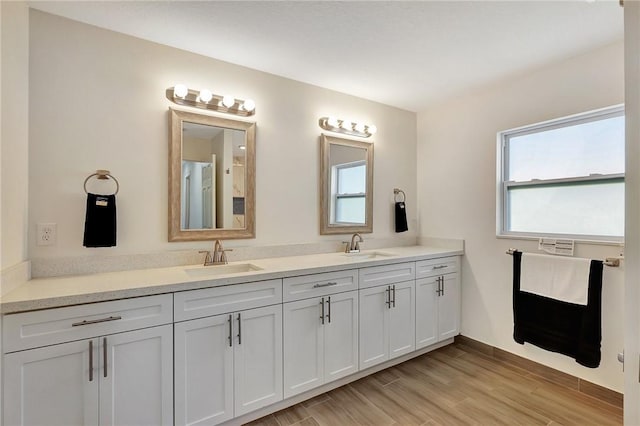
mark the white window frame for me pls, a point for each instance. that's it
(335, 196)
(503, 186)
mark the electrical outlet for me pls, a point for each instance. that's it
(46, 234)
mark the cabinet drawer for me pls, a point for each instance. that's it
(221, 300)
(51, 326)
(297, 288)
(387, 274)
(434, 267)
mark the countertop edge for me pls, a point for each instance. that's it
(24, 298)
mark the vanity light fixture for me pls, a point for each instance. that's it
(205, 95)
(182, 95)
(347, 126)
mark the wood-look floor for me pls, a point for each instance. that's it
(450, 386)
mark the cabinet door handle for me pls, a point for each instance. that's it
(442, 281)
(329, 310)
(239, 329)
(394, 295)
(438, 289)
(322, 311)
(96, 321)
(388, 297)
(329, 284)
(104, 355)
(230, 330)
(91, 360)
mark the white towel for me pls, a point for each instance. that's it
(560, 278)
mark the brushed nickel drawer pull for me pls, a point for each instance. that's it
(329, 284)
(91, 360)
(394, 295)
(96, 321)
(388, 297)
(440, 267)
(104, 352)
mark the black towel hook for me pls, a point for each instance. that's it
(102, 175)
(396, 192)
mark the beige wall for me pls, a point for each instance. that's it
(632, 211)
(15, 133)
(98, 101)
(457, 191)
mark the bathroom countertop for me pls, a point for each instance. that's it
(43, 293)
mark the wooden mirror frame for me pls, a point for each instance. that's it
(176, 233)
(326, 228)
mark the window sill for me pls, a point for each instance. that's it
(577, 239)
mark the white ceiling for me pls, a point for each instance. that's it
(405, 54)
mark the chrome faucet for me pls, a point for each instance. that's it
(217, 256)
(353, 246)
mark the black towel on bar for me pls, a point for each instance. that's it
(557, 326)
(100, 221)
(401, 217)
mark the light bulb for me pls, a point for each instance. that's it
(332, 122)
(228, 101)
(346, 124)
(242, 147)
(359, 127)
(372, 130)
(205, 95)
(249, 105)
(180, 90)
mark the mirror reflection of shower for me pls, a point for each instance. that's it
(199, 191)
(213, 176)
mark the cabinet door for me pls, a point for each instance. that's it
(204, 370)
(426, 312)
(303, 346)
(340, 335)
(374, 329)
(402, 321)
(257, 358)
(52, 385)
(449, 307)
(136, 377)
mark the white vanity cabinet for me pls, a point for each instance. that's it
(387, 316)
(228, 359)
(90, 364)
(437, 300)
(320, 333)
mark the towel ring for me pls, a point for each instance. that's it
(102, 175)
(396, 192)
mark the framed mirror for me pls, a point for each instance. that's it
(346, 186)
(211, 177)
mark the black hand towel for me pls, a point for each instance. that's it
(401, 217)
(100, 221)
(558, 326)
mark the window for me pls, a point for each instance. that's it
(349, 192)
(564, 178)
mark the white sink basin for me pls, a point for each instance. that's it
(367, 255)
(208, 271)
